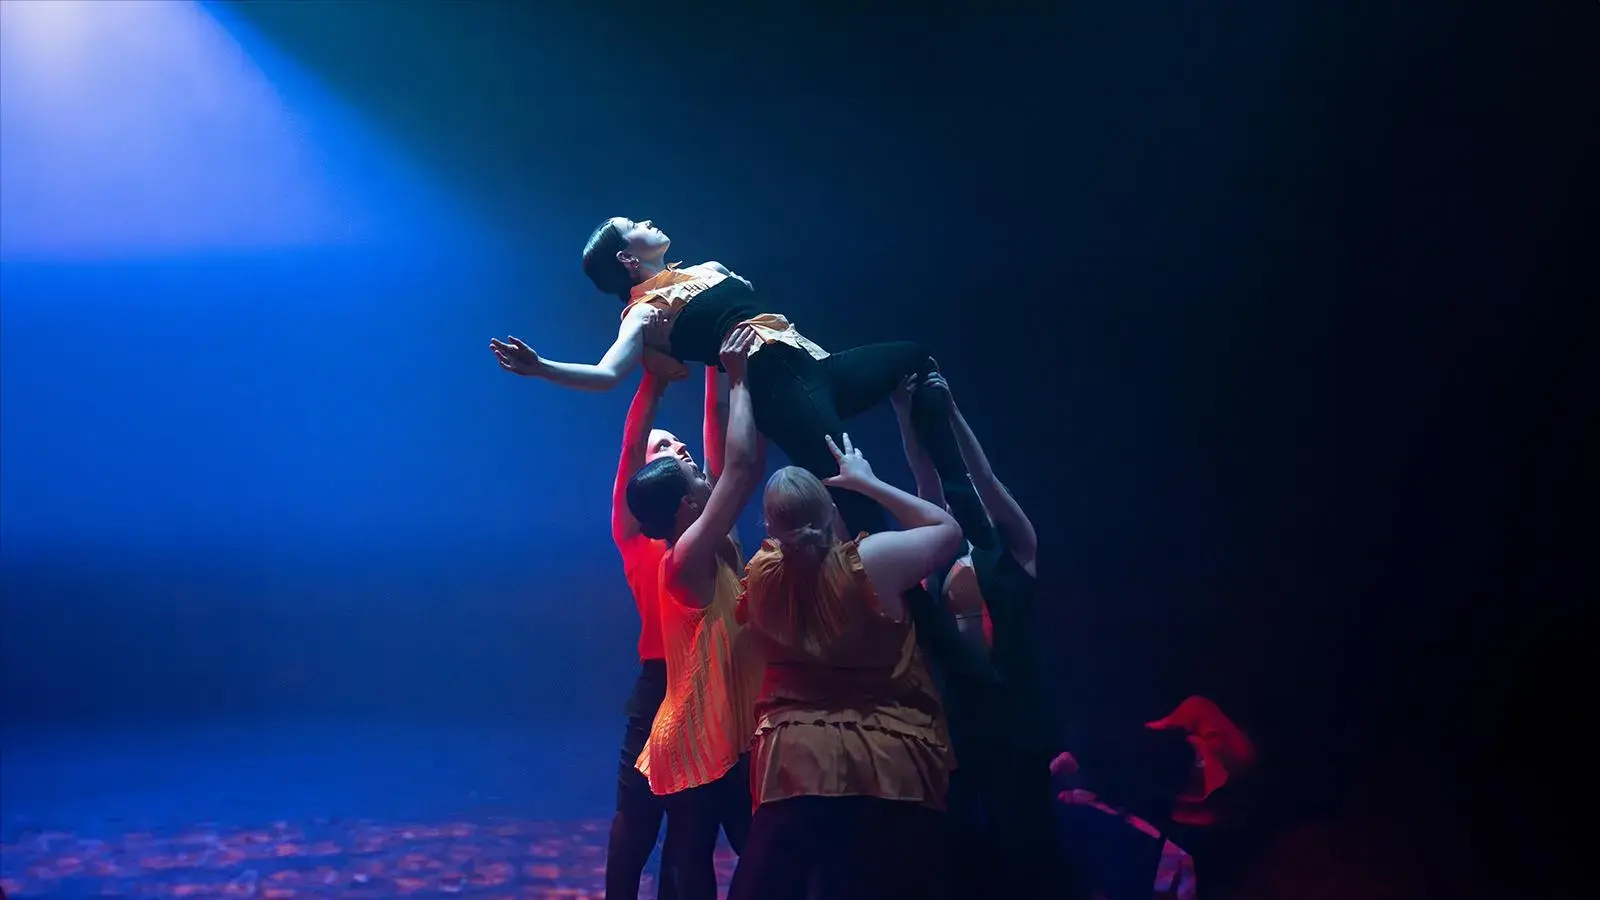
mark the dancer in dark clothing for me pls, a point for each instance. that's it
(1003, 734)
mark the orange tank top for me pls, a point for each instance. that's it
(847, 707)
(714, 671)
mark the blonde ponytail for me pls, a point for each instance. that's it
(799, 516)
(807, 545)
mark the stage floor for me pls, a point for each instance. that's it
(324, 809)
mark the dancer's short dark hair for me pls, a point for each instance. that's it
(600, 261)
(654, 494)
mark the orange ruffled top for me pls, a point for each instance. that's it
(847, 706)
(705, 721)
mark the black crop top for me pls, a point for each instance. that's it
(703, 322)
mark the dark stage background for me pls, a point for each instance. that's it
(1257, 310)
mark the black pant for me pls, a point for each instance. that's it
(850, 847)
(799, 400)
(1003, 818)
(693, 817)
(638, 817)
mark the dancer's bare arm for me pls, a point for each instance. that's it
(896, 560)
(691, 564)
(716, 420)
(929, 487)
(635, 446)
(716, 435)
(516, 356)
(1007, 514)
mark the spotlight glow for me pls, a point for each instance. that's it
(143, 127)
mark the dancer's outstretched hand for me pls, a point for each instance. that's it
(516, 356)
(854, 470)
(736, 351)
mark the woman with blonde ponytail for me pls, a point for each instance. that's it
(851, 758)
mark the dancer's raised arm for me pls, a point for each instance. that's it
(690, 562)
(635, 450)
(716, 421)
(1003, 509)
(929, 487)
(896, 560)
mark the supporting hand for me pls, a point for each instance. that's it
(735, 353)
(656, 325)
(901, 398)
(941, 389)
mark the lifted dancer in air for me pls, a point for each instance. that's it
(800, 393)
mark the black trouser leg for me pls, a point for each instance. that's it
(895, 849)
(734, 804)
(693, 818)
(1022, 824)
(799, 400)
(637, 820)
(780, 858)
(794, 408)
(972, 850)
(853, 848)
(863, 377)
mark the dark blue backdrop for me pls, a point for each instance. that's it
(1241, 301)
